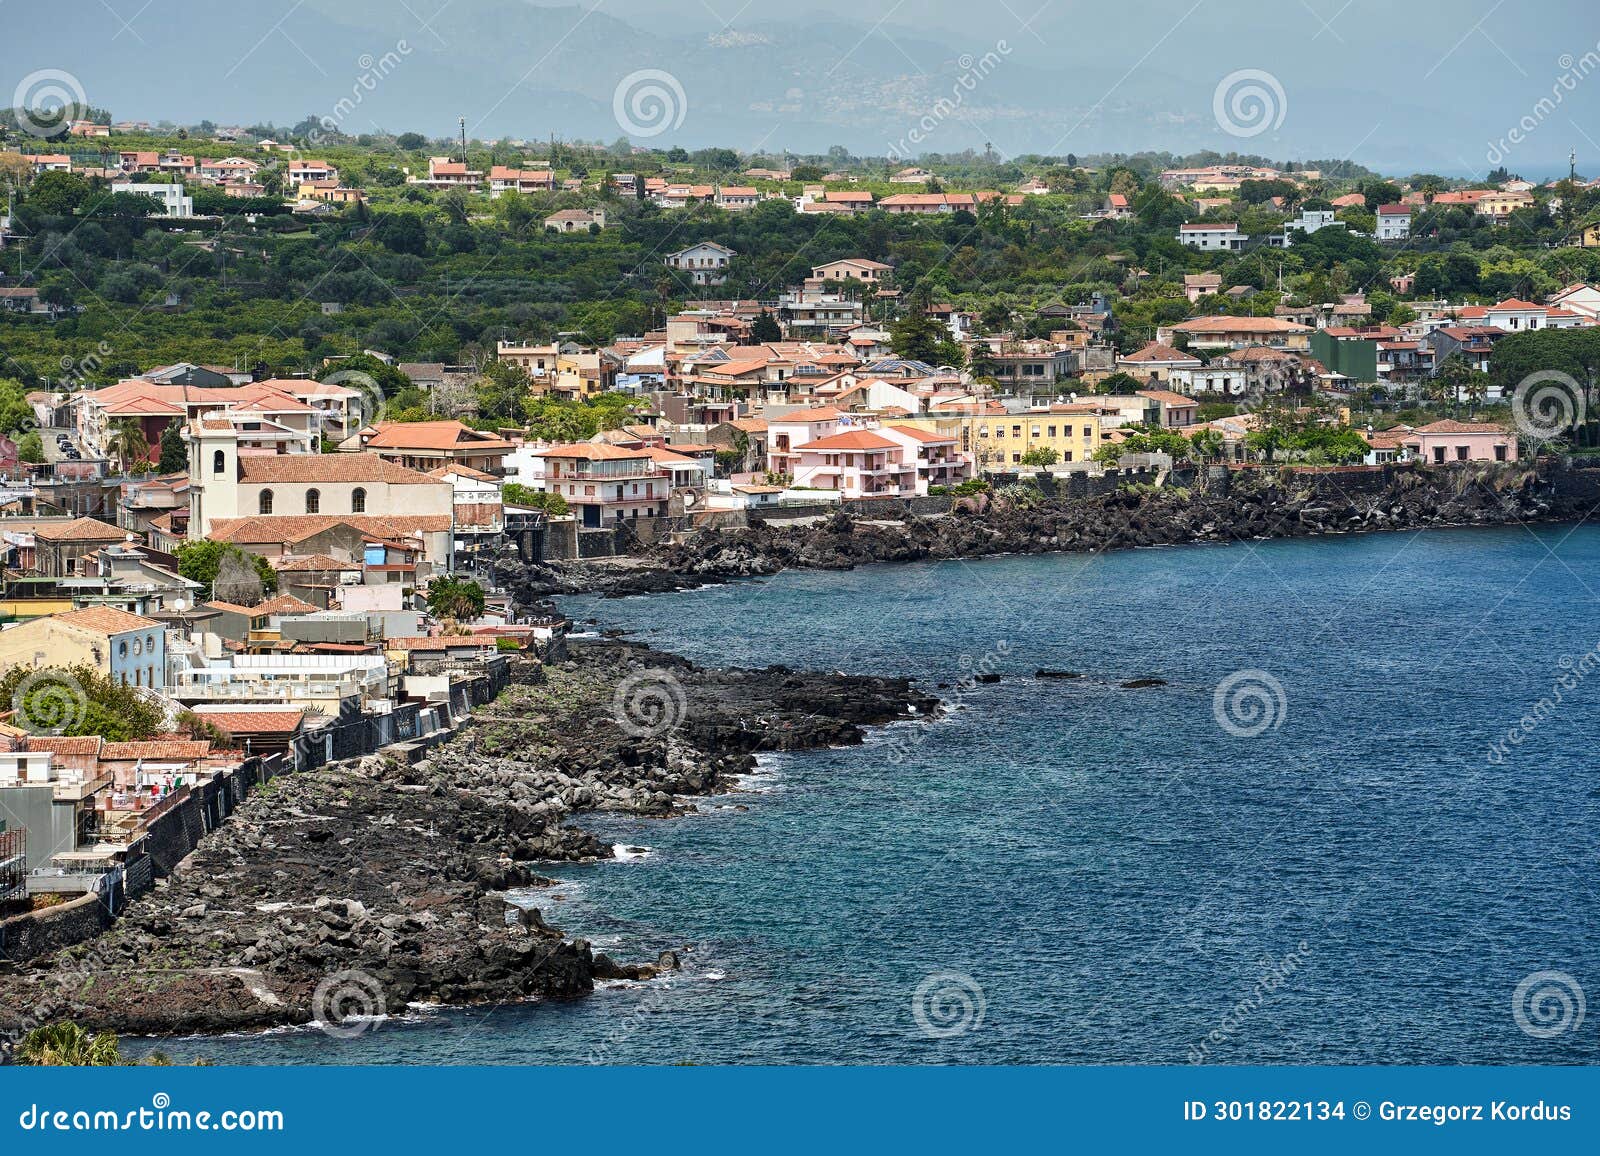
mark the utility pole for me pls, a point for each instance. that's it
(462, 121)
(1572, 164)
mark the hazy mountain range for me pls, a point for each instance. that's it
(1425, 86)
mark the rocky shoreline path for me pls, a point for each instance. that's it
(354, 890)
(1022, 520)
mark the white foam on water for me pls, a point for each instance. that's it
(626, 854)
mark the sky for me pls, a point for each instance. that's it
(1457, 87)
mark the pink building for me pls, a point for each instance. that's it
(937, 458)
(858, 463)
(1461, 441)
(606, 484)
(787, 433)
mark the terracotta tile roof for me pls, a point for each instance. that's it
(1240, 325)
(593, 452)
(857, 439)
(313, 562)
(821, 413)
(105, 620)
(80, 530)
(287, 529)
(1166, 396)
(284, 604)
(231, 607)
(434, 435)
(440, 642)
(922, 435)
(157, 749)
(255, 722)
(1451, 426)
(66, 744)
(1155, 351)
(337, 467)
(1394, 210)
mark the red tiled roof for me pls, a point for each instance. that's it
(105, 620)
(255, 722)
(287, 529)
(80, 530)
(340, 467)
(284, 604)
(856, 439)
(434, 435)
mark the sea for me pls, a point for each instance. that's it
(1353, 822)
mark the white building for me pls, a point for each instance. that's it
(173, 201)
(1213, 238)
(1394, 222)
(706, 262)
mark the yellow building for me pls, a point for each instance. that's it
(997, 440)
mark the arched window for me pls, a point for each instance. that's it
(313, 501)
(265, 504)
(358, 501)
(218, 462)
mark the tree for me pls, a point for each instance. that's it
(1040, 456)
(237, 581)
(127, 444)
(1118, 383)
(79, 700)
(57, 194)
(30, 448)
(410, 141)
(517, 494)
(765, 329)
(502, 391)
(202, 561)
(66, 1045)
(457, 598)
(918, 337)
(174, 453)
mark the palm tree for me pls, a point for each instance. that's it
(63, 1045)
(128, 444)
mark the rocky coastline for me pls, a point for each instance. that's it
(1247, 506)
(362, 887)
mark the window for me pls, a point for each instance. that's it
(313, 501)
(1438, 454)
(122, 649)
(1499, 453)
(138, 647)
(219, 462)
(358, 501)
(264, 503)
(1461, 453)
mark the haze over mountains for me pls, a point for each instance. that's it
(1425, 86)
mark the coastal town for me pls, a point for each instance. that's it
(265, 511)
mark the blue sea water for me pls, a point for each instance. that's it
(1070, 871)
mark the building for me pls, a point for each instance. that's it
(427, 445)
(575, 221)
(1223, 332)
(1212, 238)
(706, 263)
(1394, 222)
(173, 201)
(504, 179)
(1446, 441)
(604, 484)
(126, 647)
(858, 463)
(849, 269)
(1198, 285)
(1155, 362)
(226, 484)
